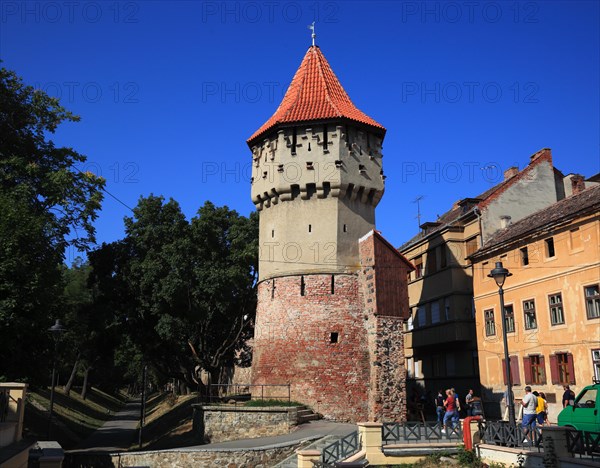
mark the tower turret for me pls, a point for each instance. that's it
(322, 325)
(317, 176)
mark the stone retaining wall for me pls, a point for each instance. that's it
(184, 458)
(221, 423)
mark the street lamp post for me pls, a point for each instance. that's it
(57, 329)
(500, 274)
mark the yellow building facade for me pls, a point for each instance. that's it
(552, 301)
(440, 336)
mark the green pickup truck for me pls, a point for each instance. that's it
(585, 414)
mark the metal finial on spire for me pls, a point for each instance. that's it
(313, 35)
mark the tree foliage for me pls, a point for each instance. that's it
(188, 286)
(46, 205)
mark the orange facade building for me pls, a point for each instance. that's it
(552, 301)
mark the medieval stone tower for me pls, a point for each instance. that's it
(327, 323)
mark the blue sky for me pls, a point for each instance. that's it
(168, 92)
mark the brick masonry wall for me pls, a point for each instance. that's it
(383, 277)
(383, 282)
(222, 423)
(293, 343)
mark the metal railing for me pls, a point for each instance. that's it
(583, 443)
(502, 433)
(218, 393)
(419, 432)
(341, 449)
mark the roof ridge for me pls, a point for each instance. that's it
(320, 66)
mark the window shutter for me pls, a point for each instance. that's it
(543, 369)
(504, 371)
(527, 369)
(571, 368)
(514, 370)
(554, 369)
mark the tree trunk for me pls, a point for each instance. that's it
(84, 389)
(183, 388)
(72, 377)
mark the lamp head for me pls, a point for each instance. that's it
(499, 274)
(57, 328)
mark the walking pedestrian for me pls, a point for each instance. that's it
(439, 406)
(542, 408)
(529, 404)
(469, 402)
(508, 398)
(451, 412)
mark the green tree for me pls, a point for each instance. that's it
(46, 205)
(222, 286)
(189, 285)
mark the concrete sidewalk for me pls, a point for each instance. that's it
(117, 434)
(307, 431)
(120, 432)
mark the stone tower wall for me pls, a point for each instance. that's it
(316, 195)
(294, 343)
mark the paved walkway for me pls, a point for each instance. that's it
(120, 432)
(117, 434)
(307, 431)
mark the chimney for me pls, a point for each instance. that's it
(544, 152)
(511, 172)
(504, 221)
(577, 184)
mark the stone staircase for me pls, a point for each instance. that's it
(320, 444)
(306, 414)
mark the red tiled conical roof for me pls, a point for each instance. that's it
(315, 93)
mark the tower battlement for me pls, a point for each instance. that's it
(318, 160)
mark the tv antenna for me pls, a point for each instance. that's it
(417, 201)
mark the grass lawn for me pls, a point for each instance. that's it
(74, 418)
(169, 422)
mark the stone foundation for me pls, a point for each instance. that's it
(185, 458)
(221, 423)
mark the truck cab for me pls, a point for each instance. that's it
(584, 415)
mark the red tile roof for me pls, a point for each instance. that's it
(315, 93)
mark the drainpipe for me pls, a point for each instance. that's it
(477, 212)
